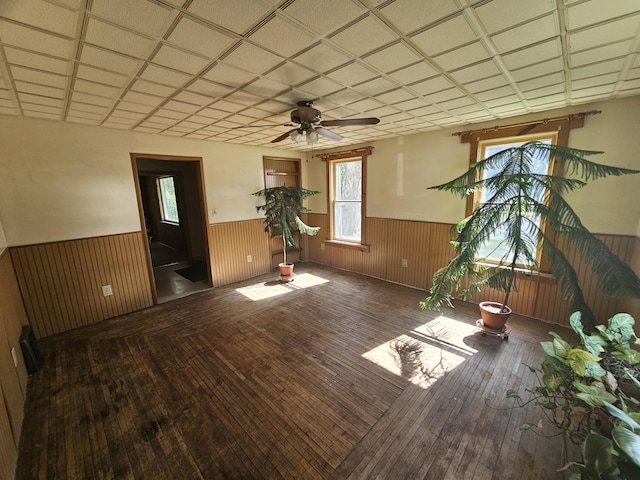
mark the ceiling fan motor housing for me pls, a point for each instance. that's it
(305, 115)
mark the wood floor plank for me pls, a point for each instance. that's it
(341, 377)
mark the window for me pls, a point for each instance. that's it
(496, 248)
(167, 199)
(347, 173)
(346, 193)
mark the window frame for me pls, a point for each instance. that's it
(477, 196)
(333, 159)
(162, 201)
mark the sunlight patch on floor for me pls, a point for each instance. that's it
(428, 352)
(263, 290)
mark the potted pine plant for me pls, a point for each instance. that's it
(522, 203)
(282, 210)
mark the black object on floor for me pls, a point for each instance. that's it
(196, 272)
(30, 351)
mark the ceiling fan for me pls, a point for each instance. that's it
(308, 120)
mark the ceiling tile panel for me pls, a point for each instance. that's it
(366, 35)
(282, 37)
(34, 40)
(96, 88)
(495, 93)
(352, 74)
(37, 61)
(265, 88)
(39, 89)
(144, 86)
(87, 72)
(594, 81)
(445, 36)
(193, 98)
(196, 37)
(128, 14)
(313, 14)
(532, 32)
(435, 84)
(179, 60)
(475, 72)
(413, 73)
(209, 89)
(607, 33)
(229, 76)
(375, 86)
(164, 76)
(395, 96)
(235, 15)
(486, 84)
(44, 15)
(117, 39)
(587, 13)
(542, 68)
(462, 57)
(444, 95)
(410, 15)
(111, 61)
(533, 55)
(143, 98)
(53, 102)
(540, 82)
(136, 107)
(502, 14)
(601, 68)
(252, 59)
(321, 58)
(290, 74)
(42, 78)
(601, 54)
(320, 87)
(392, 58)
(91, 99)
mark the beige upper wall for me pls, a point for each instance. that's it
(62, 181)
(401, 169)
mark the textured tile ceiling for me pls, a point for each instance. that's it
(202, 68)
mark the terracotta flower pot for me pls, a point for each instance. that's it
(492, 317)
(286, 269)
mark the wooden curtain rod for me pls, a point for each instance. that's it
(569, 117)
(358, 152)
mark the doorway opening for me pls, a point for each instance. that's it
(172, 208)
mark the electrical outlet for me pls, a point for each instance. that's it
(15, 357)
(405, 262)
(107, 290)
(322, 246)
(249, 259)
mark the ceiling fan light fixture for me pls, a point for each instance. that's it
(296, 135)
(312, 136)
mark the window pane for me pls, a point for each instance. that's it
(494, 249)
(168, 200)
(348, 220)
(348, 181)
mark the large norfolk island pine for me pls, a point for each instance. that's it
(518, 196)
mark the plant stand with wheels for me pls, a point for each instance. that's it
(504, 333)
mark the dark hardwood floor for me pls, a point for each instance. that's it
(334, 376)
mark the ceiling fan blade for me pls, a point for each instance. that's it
(283, 136)
(350, 121)
(329, 134)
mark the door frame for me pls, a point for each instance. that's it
(202, 197)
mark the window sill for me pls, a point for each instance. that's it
(348, 245)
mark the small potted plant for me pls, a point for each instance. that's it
(520, 207)
(282, 210)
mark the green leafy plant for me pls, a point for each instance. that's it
(596, 405)
(282, 209)
(517, 194)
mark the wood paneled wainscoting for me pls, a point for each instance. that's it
(61, 281)
(13, 378)
(230, 245)
(425, 246)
